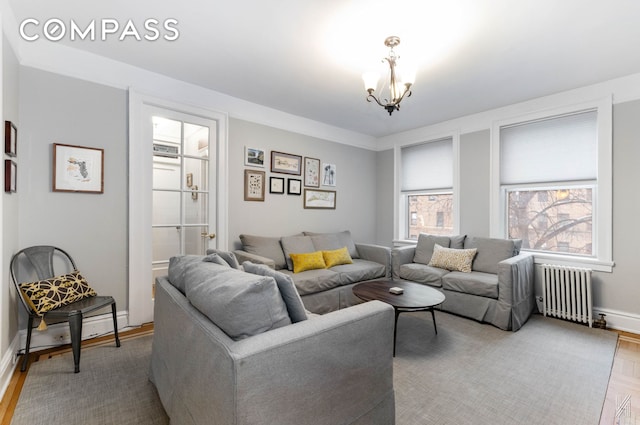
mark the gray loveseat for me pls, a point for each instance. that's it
(238, 348)
(498, 289)
(322, 290)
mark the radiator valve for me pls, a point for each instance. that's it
(600, 323)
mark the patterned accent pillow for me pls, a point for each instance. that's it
(307, 261)
(336, 257)
(452, 259)
(45, 295)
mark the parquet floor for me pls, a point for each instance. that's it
(625, 380)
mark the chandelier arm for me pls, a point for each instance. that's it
(372, 96)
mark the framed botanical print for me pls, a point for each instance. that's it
(328, 174)
(311, 172)
(253, 185)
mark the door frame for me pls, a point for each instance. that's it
(140, 309)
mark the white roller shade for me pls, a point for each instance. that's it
(427, 166)
(556, 149)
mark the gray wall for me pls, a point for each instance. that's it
(284, 214)
(91, 227)
(9, 307)
(617, 291)
(384, 197)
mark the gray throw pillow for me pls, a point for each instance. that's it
(265, 247)
(177, 267)
(490, 252)
(287, 288)
(425, 247)
(296, 245)
(239, 303)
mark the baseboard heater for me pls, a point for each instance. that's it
(567, 293)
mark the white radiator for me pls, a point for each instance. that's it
(567, 293)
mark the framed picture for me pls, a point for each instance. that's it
(276, 185)
(320, 199)
(286, 163)
(311, 172)
(253, 157)
(253, 185)
(10, 138)
(78, 169)
(328, 174)
(294, 187)
(10, 175)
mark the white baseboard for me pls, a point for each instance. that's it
(58, 333)
(8, 364)
(619, 320)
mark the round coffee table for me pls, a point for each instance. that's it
(416, 297)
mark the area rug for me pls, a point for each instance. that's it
(549, 372)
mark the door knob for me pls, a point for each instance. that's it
(209, 235)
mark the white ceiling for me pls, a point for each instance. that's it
(306, 57)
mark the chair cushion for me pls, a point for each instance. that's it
(422, 273)
(46, 295)
(307, 261)
(265, 247)
(452, 259)
(490, 252)
(241, 304)
(296, 245)
(424, 247)
(336, 257)
(474, 283)
(292, 300)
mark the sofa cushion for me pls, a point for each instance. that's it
(326, 242)
(241, 304)
(177, 266)
(452, 259)
(344, 239)
(359, 270)
(307, 261)
(295, 308)
(424, 247)
(474, 283)
(228, 257)
(266, 247)
(296, 245)
(457, 242)
(313, 281)
(490, 252)
(337, 257)
(422, 273)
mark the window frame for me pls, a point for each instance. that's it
(602, 215)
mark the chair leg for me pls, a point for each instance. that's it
(75, 328)
(115, 324)
(25, 359)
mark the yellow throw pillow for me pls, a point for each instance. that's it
(45, 295)
(307, 261)
(337, 257)
(452, 259)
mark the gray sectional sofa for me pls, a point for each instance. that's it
(237, 348)
(498, 288)
(322, 290)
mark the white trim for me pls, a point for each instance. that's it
(139, 190)
(603, 214)
(620, 320)
(8, 364)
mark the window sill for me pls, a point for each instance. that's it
(571, 261)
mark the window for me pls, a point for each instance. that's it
(554, 180)
(427, 188)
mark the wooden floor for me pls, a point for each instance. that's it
(625, 377)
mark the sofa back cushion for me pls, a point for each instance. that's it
(296, 245)
(178, 266)
(424, 247)
(490, 252)
(265, 247)
(241, 304)
(287, 288)
(343, 239)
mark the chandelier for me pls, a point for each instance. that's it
(397, 89)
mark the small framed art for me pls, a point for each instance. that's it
(78, 169)
(328, 174)
(253, 185)
(276, 185)
(10, 175)
(294, 187)
(311, 172)
(320, 199)
(253, 157)
(10, 138)
(286, 163)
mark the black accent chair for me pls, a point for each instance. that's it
(37, 263)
